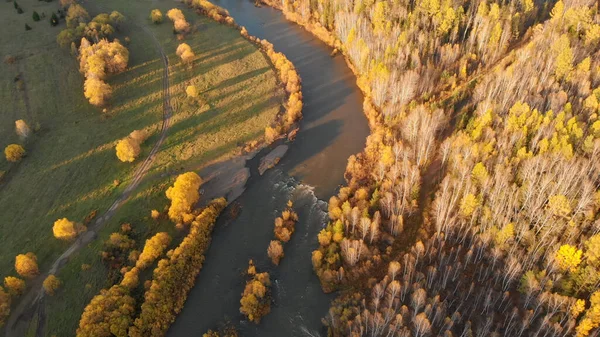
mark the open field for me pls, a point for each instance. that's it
(71, 167)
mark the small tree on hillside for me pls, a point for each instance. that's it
(54, 20)
(35, 16)
(156, 16)
(14, 152)
(51, 284)
(26, 265)
(14, 285)
(67, 230)
(22, 129)
(183, 195)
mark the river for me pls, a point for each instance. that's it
(332, 129)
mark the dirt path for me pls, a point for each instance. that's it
(32, 302)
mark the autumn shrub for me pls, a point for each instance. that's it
(128, 149)
(153, 248)
(5, 302)
(180, 24)
(22, 129)
(184, 194)
(175, 276)
(115, 253)
(26, 265)
(184, 51)
(51, 284)
(97, 91)
(14, 152)
(14, 285)
(156, 16)
(76, 14)
(256, 298)
(95, 62)
(67, 230)
(275, 251)
(285, 224)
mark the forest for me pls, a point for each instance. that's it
(474, 208)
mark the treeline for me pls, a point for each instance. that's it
(113, 312)
(174, 277)
(97, 56)
(285, 69)
(508, 244)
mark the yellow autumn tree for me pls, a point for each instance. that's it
(96, 91)
(191, 91)
(14, 285)
(184, 51)
(67, 230)
(179, 22)
(468, 205)
(591, 320)
(564, 57)
(559, 205)
(568, 258)
(14, 152)
(183, 195)
(22, 129)
(128, 150)
(51, 284)
(5, 301)
(26, 265)
(156, 16)
(153, 248)
(275, 251)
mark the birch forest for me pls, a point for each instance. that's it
(474, 209)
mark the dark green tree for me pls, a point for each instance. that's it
(27, 27)
(35, 16)
(54, 19)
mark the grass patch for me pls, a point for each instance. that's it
(71, 163)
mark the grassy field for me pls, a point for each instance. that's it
(71, 167)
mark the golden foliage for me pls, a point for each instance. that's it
(179, 22)
(67, 230)
(51, 284)
(96, 91)
(14, 152)
(153, 249)
(175, 276)
(128, 150)
(22, 129)
(568, 258)
(5, 301)
(183, 195)
(14, 285)
(26, 265)
(108, 314)
(156, 16)
(256, 302)
(275, 252)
